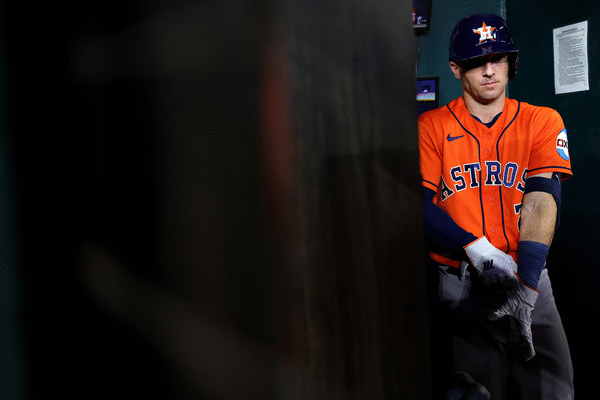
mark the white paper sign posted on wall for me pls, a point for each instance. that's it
(571, 72)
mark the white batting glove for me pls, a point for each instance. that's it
(519, 304)
(493, 265)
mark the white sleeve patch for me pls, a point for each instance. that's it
(562, 145)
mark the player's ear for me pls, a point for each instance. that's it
(456, 70)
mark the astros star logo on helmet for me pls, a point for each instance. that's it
(485, 32)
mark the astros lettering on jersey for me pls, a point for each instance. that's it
(479, 173)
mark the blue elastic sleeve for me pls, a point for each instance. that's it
(440, 227)
(532, 259)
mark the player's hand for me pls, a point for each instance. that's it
(519, 304)
(493, 265)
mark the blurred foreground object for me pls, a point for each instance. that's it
(362, 328)
(149, 192)
(230, 208)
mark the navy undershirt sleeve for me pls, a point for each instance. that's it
(440, 227)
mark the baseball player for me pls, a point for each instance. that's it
(492, 170)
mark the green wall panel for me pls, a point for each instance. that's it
(12, 367)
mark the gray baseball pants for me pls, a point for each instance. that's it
(491, 351)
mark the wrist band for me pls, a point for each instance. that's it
(532, 259)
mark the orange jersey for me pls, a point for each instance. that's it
(479, 173)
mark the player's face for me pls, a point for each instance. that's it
(483, 78)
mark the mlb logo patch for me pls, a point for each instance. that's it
(562, 145)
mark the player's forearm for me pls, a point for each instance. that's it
(538, 218)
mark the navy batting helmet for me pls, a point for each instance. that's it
(481, 35)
